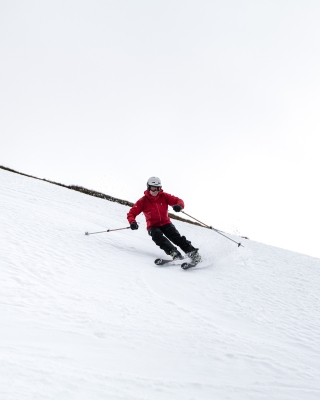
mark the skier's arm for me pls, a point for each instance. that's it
(135, 211)
(173, 200)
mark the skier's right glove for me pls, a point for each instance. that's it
(134, 226)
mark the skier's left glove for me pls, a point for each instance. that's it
(134, 226)
(177, 208)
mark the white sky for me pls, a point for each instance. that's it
(220, 99)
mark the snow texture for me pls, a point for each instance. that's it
(92, 317)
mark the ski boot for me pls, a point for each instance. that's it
(176, 255)
(194, 255)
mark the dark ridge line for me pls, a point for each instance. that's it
(95, 194)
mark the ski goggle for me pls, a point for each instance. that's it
(155, 188)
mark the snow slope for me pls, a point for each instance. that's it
(92, 317)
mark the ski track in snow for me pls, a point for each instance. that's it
(92, 317)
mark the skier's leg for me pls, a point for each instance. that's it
(161, 241)
(172, 234)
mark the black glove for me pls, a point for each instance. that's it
(134, 226)
(177, 208)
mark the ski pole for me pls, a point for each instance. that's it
(109, 230)
(210, 227)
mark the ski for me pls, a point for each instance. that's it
(185, 265)
(188, 265)
(160, 261)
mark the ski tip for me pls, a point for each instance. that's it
(86, 233)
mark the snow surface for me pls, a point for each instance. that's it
(92, 317)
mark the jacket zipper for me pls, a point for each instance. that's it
(158, 212)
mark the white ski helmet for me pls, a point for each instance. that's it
(154, 181)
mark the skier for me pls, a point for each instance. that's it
(154, 204)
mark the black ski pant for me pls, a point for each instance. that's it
(164, 235)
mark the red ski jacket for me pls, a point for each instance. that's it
(154, 208)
